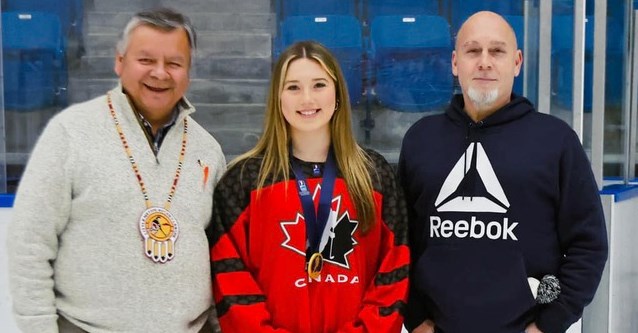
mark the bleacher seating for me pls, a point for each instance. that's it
(339, 33)
(314, 7)
(69, 12)
(34, 64)
(411, 61)
(285, 9)
(462, 9)
(376, 8)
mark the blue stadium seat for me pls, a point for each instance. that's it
(462, 9)
(518, 24)
(34, 60)
(401, 7)
(69, 12)
(411, 62)
(341, 34)
(314, 7)
(562, 62)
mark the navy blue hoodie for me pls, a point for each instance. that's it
(492, 203)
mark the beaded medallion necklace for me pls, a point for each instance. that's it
(157, 225)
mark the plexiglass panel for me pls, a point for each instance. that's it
(396, 57)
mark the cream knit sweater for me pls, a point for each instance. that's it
(74, 244)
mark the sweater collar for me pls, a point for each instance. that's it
(124, 108)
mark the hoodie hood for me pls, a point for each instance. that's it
(516, 108)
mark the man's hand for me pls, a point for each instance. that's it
(425, 327)
(531, 328)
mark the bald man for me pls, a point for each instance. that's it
(506, 225)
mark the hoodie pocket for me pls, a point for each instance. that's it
(481, 282)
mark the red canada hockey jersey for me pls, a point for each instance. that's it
(258, 253)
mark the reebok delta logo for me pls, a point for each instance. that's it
(473, 189)
(450, 200)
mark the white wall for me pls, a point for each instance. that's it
(624, 254)
(615, 307)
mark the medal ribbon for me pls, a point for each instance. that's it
(315, 219)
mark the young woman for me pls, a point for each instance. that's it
(309, 229)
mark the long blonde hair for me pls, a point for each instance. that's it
(353, 162)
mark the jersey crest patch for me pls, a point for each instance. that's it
(337, 239)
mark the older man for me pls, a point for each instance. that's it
(500, 197)
(109, 219)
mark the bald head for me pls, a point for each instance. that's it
(490, 23)
(486, 59)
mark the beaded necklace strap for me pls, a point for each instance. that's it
(134, 165)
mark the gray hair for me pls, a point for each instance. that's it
(165, 19)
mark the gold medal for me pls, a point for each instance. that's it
(315, 264)
(160, 230)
